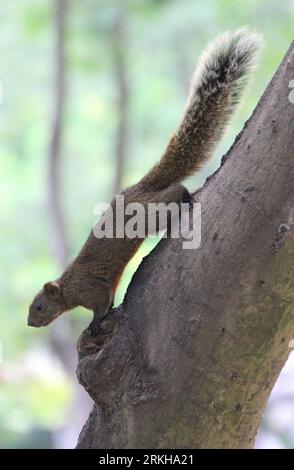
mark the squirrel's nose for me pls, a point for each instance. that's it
(31, 322)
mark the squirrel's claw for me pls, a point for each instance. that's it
(94, 327)
(188, 198)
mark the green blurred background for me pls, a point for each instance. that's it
(126, 72)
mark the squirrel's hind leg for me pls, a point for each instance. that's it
(187, 197)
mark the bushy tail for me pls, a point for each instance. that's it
(219, 80)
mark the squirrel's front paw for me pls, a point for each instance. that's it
(94, 327)
(87, 344)
(91, 342)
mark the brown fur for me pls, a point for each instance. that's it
(91, 279)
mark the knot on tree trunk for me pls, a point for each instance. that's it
(112, 361)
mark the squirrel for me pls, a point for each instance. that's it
(217, 85)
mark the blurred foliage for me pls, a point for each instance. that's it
(163, 41)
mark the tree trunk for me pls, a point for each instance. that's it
(54, 149)
(61, 333)
(203, 334)
(121, 138)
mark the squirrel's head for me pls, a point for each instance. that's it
(47, 305)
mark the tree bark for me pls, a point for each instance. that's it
(203, 334)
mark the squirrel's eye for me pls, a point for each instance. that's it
(39, 307)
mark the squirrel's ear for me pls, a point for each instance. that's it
(51, 287)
